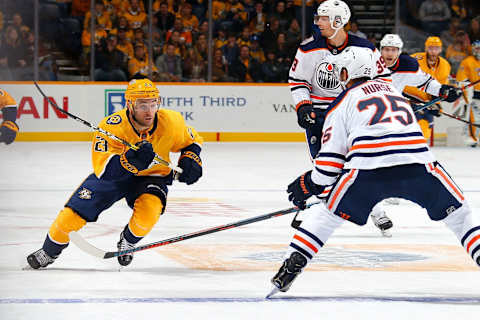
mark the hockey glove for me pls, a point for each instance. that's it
(191, 164)
(8, 131)
(450, 93)
(303, 188)
(307, 117)
(138, 160)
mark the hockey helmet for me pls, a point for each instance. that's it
(476, 49)
(358, 61)
(337, 11)
(392, 40)
(140, 89)
(433, 41)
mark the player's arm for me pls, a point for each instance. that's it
(9, 127)
(327, 165)
(114, 161)
(299, 80)
(189, 143)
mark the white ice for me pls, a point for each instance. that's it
(422, 272)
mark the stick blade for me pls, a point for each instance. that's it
(83, 245)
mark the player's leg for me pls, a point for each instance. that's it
(381, 220)
(315, 230)
(148, 198)
(446, 202)
(86, 203)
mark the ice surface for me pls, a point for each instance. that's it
(420, 273)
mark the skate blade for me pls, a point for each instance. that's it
(274, 291)
(27, 267)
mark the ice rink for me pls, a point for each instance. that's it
(422, 272)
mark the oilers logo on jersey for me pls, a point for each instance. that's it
(325, 77)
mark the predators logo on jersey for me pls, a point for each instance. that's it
(115, 119)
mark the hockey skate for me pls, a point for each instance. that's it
(290, 269)
(122, 245)
(382, 222)
(40, 259)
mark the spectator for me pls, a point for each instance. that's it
(15, 49)
(281, 48)
(256, 51)
(219, 67)
(282, 15)
(47, 67)
(101, 16)
(269, 36)
(221, 39)
(1, 21)
(110, 63)
(434, 15)
(136, 17)
(294, 35)
(258, 21)
(165, 19)
(231, 51)
(244, 37)
(139, 64)
(448, 36)
(124, 44)
(190, 22)
(474, 29)
(201, 47)
(194, 67)
(80, 8)
(202, 29)
(122, 23)
(270, 68)
(458, 50)
(179, 43)
(169, 65)
(245, 68)
(185, 34)
(100, 34)
(17, 23)
(354, 30)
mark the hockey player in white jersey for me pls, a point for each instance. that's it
(313, 84)
(372, 149)
(405, 70)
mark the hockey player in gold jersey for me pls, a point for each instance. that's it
(439, 68)
(469, 70)
(8, 128)
(121, 172)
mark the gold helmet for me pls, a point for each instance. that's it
(140, 89)
(433, 41)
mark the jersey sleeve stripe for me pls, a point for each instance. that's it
(388, 144)
(322, 98)
(327, 173)
(329, 164)
(331, 155)
(386, 152)
(393, 135)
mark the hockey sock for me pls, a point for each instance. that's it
(57, 238)
(146, 211)
(315, 230)
(466, 227)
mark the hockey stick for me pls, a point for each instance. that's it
(460, 119)
(85, 246)
(438, 99)
(157, 159)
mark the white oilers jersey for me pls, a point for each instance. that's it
(311, 76)
(407, 72)
(370, 125)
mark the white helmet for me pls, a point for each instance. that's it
(358, 61)
(337, 11)
(392, 40)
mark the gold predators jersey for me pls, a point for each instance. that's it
(439, 72)
(469, 70)
(169, 133)
(6, 100)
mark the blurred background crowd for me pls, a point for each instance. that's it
(251, 40)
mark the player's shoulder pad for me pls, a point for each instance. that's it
(355, 41)
(418, 55)
(313, 43)
(340, 97)
(407, 63)
(169, 116)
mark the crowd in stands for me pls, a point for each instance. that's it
(456, 22)
(253, 40)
